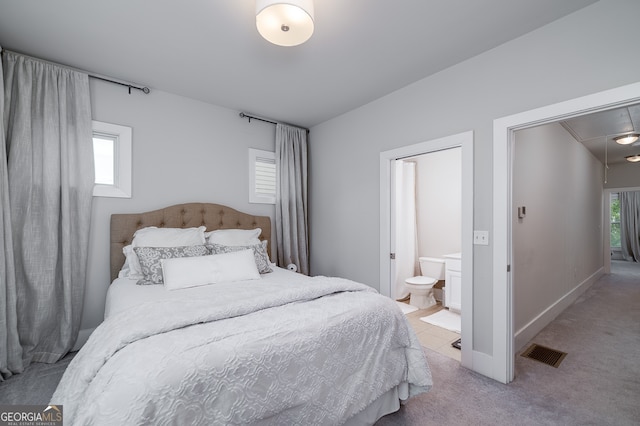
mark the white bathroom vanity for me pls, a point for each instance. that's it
(453, 281)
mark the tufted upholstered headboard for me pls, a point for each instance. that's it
(213, 216)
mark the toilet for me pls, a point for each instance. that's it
(421, 287)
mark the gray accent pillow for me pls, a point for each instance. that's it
(150, 258)
(259, 253)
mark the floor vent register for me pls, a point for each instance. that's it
(545, 355)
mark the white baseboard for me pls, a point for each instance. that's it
(83, 336)
(528, 332)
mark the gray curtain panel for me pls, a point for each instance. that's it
(10, 349)
(50, 169)
(291, 197)
(630, 225)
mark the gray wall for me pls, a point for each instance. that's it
(183, 151)
(559, 243)
(439, 202)
(569, 58)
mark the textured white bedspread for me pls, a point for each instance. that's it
(305, 351)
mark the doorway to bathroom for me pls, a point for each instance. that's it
(428, 227)
(441, 173)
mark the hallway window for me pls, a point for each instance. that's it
(615, 220)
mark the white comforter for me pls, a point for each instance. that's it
(316, 351)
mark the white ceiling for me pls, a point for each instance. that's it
(210, 49)
(596, 131)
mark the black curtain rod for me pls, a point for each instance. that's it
(251, 117)
(144, 90)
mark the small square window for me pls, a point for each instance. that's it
(262, 176)
(112, 160)
(104, 152)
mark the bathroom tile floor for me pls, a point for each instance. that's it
(432, 337)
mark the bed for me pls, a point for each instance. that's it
(279, 348)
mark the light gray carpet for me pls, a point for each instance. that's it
(598, 383)
(36, 385)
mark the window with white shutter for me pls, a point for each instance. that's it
(262, 176)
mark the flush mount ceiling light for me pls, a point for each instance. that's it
(285, 23)
(633, 158)
(627, 139)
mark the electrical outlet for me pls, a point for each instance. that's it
(481, 238)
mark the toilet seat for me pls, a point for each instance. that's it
(421, 280)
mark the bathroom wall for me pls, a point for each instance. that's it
(438, 202)
(558, 245)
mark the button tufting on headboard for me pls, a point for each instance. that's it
(123, 226)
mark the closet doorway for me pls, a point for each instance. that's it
(388, 161)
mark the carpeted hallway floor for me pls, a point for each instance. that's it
(598, 383)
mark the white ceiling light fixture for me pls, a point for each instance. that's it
(627, 139)
(633, 158)
(285, 23)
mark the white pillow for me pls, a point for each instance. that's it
(188, 272)
(168, 237)
(131, 268)
(237, 266)
(234, 237)
(153, 236)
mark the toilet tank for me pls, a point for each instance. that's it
(432, 267)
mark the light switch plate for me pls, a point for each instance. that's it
(481, 238)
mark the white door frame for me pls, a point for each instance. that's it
(607, 223)
(387, 159)
(503, 139)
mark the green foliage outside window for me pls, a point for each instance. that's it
(615, 223)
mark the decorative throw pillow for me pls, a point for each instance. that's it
(150, 258)
(259, 253)
(153, 236)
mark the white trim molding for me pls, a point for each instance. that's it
(503, 137)
(387, 159)
(529, 331)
